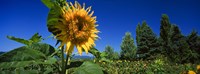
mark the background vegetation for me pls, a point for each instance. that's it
(171, 52)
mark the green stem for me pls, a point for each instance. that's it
(63, 62)
(67, 62)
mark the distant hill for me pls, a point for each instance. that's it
(74, 57)
(1, 53)
(82, 57)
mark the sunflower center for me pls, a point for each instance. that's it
(78, 29)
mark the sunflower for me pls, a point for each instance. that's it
(198, 68)
(77, 27)
(191, 72)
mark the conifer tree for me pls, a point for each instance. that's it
(128, 49)
(174, 43)
(109, 51)
(147, 44)
(193, 41)
(178, 46)
(111, 54)
(165, 30)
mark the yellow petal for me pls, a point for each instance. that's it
(87, 44)
(95, 31)
(88, 9)
(72, 6)
(84, 6)
(91, 13)
(90, 40)
(69, 49)
(77, 5)
(94, 35)
(68, 44)
(85, 48)
(79, 49)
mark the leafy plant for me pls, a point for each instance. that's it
(88, 68)
(34, 57)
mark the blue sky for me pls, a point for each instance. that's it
(23, 18)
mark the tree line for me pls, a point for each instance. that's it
(171, 43)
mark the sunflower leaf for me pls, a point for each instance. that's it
(36, 38)
(88, 68)
(48, 3)
(22, 54)
(20, 40)
(95, 52)
(46, 49)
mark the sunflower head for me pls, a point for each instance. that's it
(198, 68)
(76, 27)
(191, 72)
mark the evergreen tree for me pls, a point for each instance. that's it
(147, 44)
(193, 41)
(128, 49)
(165, 30)
(174, 43)
(138, 32)
(110, 53)
(180, 51)
(116, 56)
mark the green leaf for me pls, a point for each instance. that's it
(22, 53)
(104, 59)
(18, 64)
(50, 60)
(48, 70)
(48, 3)
(95, 52)
(89, 68)
(103, 54)
(19, 71)
(20, 40)
(28, 72)
(36, 38)
(44, 48)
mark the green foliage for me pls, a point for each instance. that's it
(147, 43)
(89, 68)
(157, 66)
(165, 33)
(21, 54)
(116, 55)
(128, 49)
(165, 27)
(96, 53)
(110, 53)
(48, 3)
(44, 48)
(35, 57)
(99, 56)
(176, 46)
(51, 3)
(23, 41)
(34, 39)
(193, 41)
(54, 16)
(25, 58)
